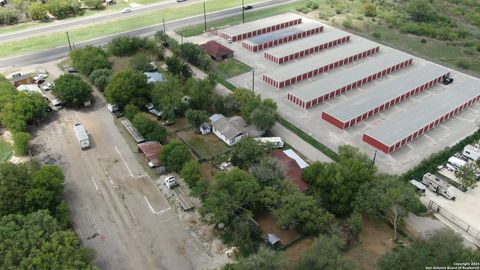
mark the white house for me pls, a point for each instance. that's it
(232, 130)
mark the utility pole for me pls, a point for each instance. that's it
(181, 37)
(253, 80)
(243, 11)
(69, 44)
(205, 16)
(374, 157)
(163, 21)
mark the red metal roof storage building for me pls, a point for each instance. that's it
(306, 46)
(319, 63)
(318, 91)
(385, 95)
(407, 125)
(293, 170)
(282, 36)
(258, 27)
(216, 50)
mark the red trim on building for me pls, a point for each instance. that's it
(332, 120)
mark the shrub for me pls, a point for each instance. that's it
(464, 63)
(423, 41)
(8, 16)
(72, 90)
(100, 78)
(174, 155)
(130, 111)
(370, 10)
(150, 129)
(126, 45)
(191, 173)
(63, 8)
(348, 23)
(94, 4)
(140, 62)
(376, 35)
(38, 11)
(195, 55)
(21, 142)
(89, 58)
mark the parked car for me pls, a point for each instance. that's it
(179, 1)
(171, 181)
(126, 10)
(48, 86)
(40, 81)
(72, 70)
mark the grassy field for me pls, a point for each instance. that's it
(249, 16)
(5, 150)
(231, 67)
(90, 32)
(204, 146)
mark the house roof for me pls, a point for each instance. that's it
(230, 127)
(293, 170)
(300, 162)
(272, 239)
(216, 117)
(151, 150)
(215, 49)
(20, 78)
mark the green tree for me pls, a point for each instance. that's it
(443, 248)
(370, 10)
(14, 184)
(101, 78)
(8, 15)
(196, 117)
(72, 90)
(201, 94)
(195, 54)
(248, 151)
(89, 58)
(325, 253)
(128, 87)
(140, 62)
(46, 189)
(125, 45)
(174, 155)
(23, 109)
(421, 11)
(265, 259)
(178, 68)
(38, 11)
(36, 241)
(246, 102)
(191, 173)
(63, 8)
(130, 111)
(233, 191)
(244, 234)
(94, 4)
(300, 211)
(265, 115)
(468, 175)
(336, 184)
(389, 198)
(150, 129)
(21, 141)
(268, 171)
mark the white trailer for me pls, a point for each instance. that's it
(277, 142)
(82, 136)
(456, 163)
(438, 186)
(471, 152)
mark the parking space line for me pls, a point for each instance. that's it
(151, 208)
(108, 175)
(95, 183)
(124, 162)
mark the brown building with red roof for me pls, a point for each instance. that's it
(216, 50)
(292, 167)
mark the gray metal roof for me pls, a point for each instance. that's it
(319, 60)
(385, 92)
(404, 124)
(285, 32)
(350, 75)
(259, 24)
(306, 43)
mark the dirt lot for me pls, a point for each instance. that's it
(116, 208)
(374, 240)
(268, 224)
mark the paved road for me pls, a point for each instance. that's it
(87, 20)
(57, 53)
(111, 199)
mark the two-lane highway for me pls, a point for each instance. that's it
(59, 52)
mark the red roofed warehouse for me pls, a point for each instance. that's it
(216, 50)
(293, 165)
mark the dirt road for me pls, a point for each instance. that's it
(116, 209)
